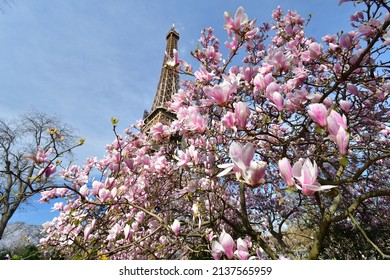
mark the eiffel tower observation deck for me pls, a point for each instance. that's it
(167, 86)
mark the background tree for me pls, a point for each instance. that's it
(31, 146)
(285, 141)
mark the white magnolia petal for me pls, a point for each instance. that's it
(226, 171)
(319, 188)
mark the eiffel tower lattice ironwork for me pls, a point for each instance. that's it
(167, 86)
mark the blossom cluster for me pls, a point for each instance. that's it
(271, 107)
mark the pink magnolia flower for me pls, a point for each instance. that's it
(40, 156)
(254, 174)
(306, 174)
(192, 119)
(220, 94)
(318, 113)
(261, 82)
(241, 155)
(346, 40)
(271, 88)
(174, 61)
(285, 171)
(225, 244)
(353, 89)
(277, 100)
(335, 120)
(160, 163)
(242, 249)
(216, 250)
(203, 75)
(228, 120)
(241, 114)
(234, 24)
(159, 131)
(50, 170)
(251, 171)
(127, 231)
(88, 229)
(104, 194)
(280, 59)
(315, 50)
(345, 105)
(84, 190)
(342, 140)
(231, 46)
(175, 227)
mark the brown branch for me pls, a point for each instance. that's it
(358, 201)
(368, 239)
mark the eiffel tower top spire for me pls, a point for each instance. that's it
(167, 86)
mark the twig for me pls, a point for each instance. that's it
(368, 239)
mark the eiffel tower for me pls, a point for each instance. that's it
(167, 86)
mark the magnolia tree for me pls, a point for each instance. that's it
(276, 146)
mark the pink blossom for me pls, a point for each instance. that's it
(158, 131)
(353, 89)
(212, 54)
(88, 229)
(160, 163)
(173, 61)
(261, 82)
(127, 231)
(50, 170)
(335, 120)
(242, 249)
(346, 40)
(342, 140)
(280, 59)
(40, 156)
(368, 28)
(254, 173)
(235, 24)
(225, 245)
(103, 194)
(241, 114)
(175, 227)
(216, 250)
(318, 113)
(315, 50)
(192, 119)
(220, 94)
(228, 120)
(251, 171)
(84, 190)
(241, 155)
(345, 105)
(203, 75)
(277, 100)
(306, 174)
(285, 171)
(114, 232)
(231, 46)
(271, 88)
(96, 186)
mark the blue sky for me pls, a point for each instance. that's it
(88, 60)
